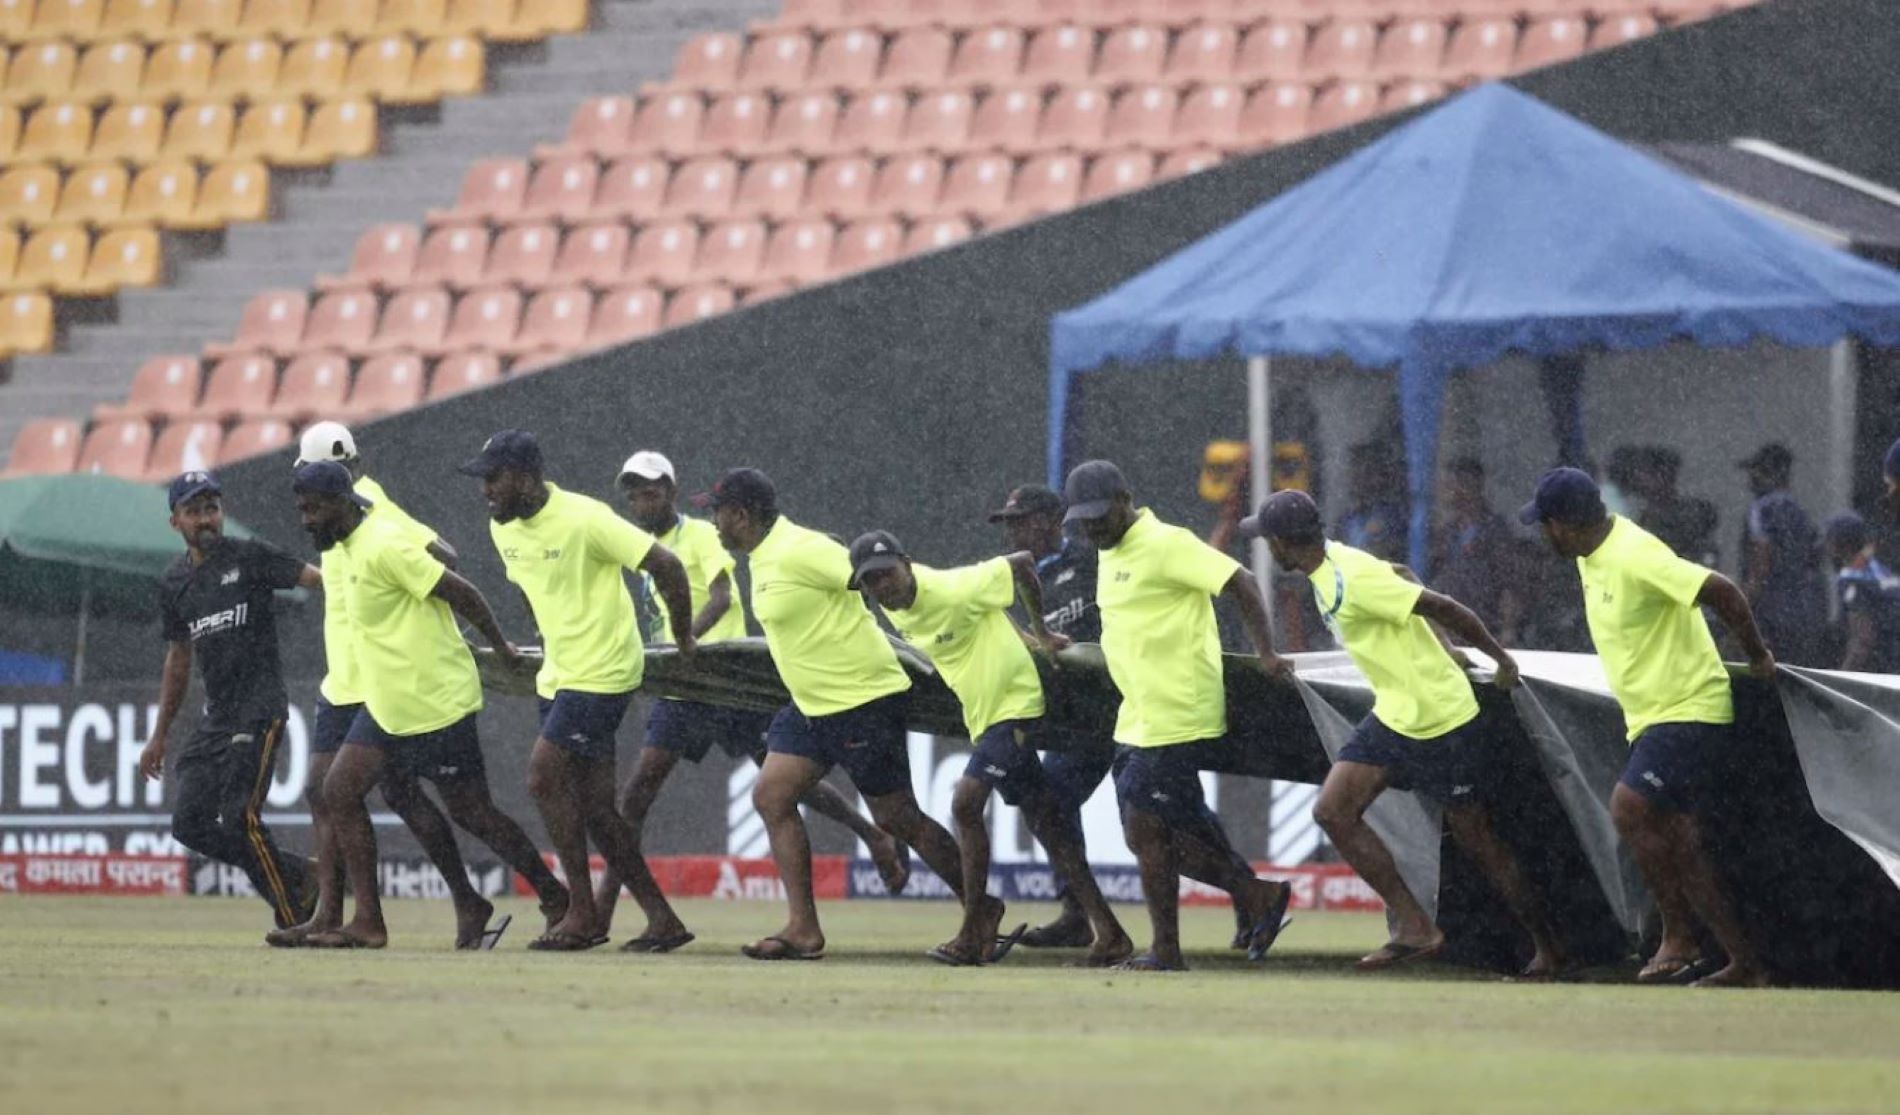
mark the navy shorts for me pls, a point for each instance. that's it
(1166, 781)
(332, 726)
(690, 729)
(1074, 776)
(1444, 768)
(444, 755)
(1005, 760)
(1670, 764)
(869, 742)
(584, 723)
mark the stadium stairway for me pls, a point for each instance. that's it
(532, 92)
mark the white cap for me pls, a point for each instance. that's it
(326, 441)
(648, 465)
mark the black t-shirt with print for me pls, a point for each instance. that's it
(223, 607)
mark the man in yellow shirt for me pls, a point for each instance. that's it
(958, 618)
(688, 729)
(339, 700)
(418, 681)
(849, 696)
(1424, 733)
(1643, 605)
(1155, 589)
(567, 553)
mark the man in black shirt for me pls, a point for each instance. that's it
(216, 606)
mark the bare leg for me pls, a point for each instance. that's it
(1153, 844)
(473, 807)
(591, 783)
(356, 770)
(1069, 859)
(900, 815)
(650, 772)
(888, 852)
(971, 797)
(1649, 843)
(404, 795)
(1470, 826)
(1670, 843)
(783, 781)
(330, 876)
(1340, 810)
(549, 785)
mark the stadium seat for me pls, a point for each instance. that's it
(163, 387)
(314, 385)
(625, 313)
(53, 259)
(45, 445)
(126, 257)
(872, 122)
(247, 70)
(340, 321)
(934, 233)
(16, 19)
(1276, 114)
(1075, 118)
(272, 322)
(988, 57)
(765, 292)
(492, 189)
(163, 194)
(206, 19)
(908, 186)
(108, 71)
(384, 70)
(9, 255)
(1187, 160)
(93, 195)
(200, 132)
(271, 132)
(1210, 117)
(632, 188)
(669, 123)
(57, 132)
(555, 322)
(315, 69)
(731, 252)
(736, 123)
(600, 126)
(1410, 94)
(811, 14)
(804, 124)
(866, 244)
(917, 59)
(522, 256)
(663, 252)
(184, 446)
(484, 318)
(387, 383)
(702, 188)
(1618, 30)
(450, 67)
(560, 189)
(848, 60)
(39, 72)
(799, 251)
(453, 255)
(1342, 49)
(1142, 116)
(26, 322)
(1205, 52)
(841, 187)
(1410, 48)
(179, 71)
(1481, 49)
(595, 255)
(344, 18)
(1059, 56)
(253, 439)
(978, 186)
(773, 188)
(414, 321)
(9, 132)
(121, 448)
(344, 129)
(1006, 119)
(779, 61)
(231, 193)
(1117, 173)
(1045, 184)
(1551, 40)
(1132, 55)
(463, 371)
(1348, 102)
(421, 18)
(1272, 51)
(697, 303)
(939, 121)
(28, 194)
(75, 20)
(281, 19)
(237, 386)
(148, 20)
(709, 62)
(515, 21)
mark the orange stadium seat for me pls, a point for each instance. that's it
(1142, 117)
(384, 70)
(810, 13)
(731, 252)
(1276, 114)
(873, 121)
(486, 318)
(1007, 119)
(1343, 49)
(231, 193)
(626, 313)
(702, 188)
(663, 252)
(1132, 54)
(254, 439)
(40, 72)
(247, 69)
(414, 320)
(339, 130)
(93, 195)
(1205, 52)
(1274, 51)
(555, 322)
(238, 385)
(282, 19)
(53, 258)
(776, 61)
(384, 257)
(315, 384)
(150, 20)
(593, 254)
(45, 445)
(736, 122)
(668, 122)
(697, 303)
(561, 189)
(421, 18)
(492, 189)
(523, 256)
(26, 322)
(865, 244)
(450, 67)
(917, 59)
(133, 132)
(342, 320)
(772, 188)
(841, 187)
(75, 20)
(908, 186)
(1076, 117)
(463, 371)
(271, 132)
(1346, 103)
(978, 186)
(119, 448)
(1410, 48)
(1046, 184)
(987, 57)
(600, 126)
(1551, 40)
(1616, 30)
(387, 383)
(934, 233)
(109, 71)
(57, 132)
(28, 194)
(939, 121)
(1117, 173)
(1210, 117)
(164, 387)
(709, 62)
(453, 255)
(184, 446)
(848, 59)
(1482, 49)
(633, 188)
(179, 71)
(1060, 55)
(272, 322)
(1410, 94)
(344, 18)
(315, 69)
(163, 194)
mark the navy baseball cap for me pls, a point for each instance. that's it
(745, 488)
(1891, 467)
(874, 550)
(1030, 499)
(509, 449)
(327, 478)
(190, 485)
(1288, 514)
(1565, 495)
(1773, 457)
(1092, 489)
(1846, 529)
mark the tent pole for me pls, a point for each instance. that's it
(85, 616)
(1259, 464)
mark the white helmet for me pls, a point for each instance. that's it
(326, 441)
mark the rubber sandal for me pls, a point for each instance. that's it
(1269, 928)
(564, 942)
(1674, 970)
(659, 944)
(491, 936)
(1005, 944)
(1057, 936)
(785, 950)
(337, 939)
(1144, 962)
(953, 957)
(1394, 954)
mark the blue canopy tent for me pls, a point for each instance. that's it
(1492, 225)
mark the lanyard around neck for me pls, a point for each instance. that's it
(1339, 589)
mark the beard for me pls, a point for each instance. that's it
(323, 538)
(654, 524)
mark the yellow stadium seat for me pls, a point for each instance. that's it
(16, 17)
(206, 19)
(232, 193)
(348, 18)
(270, 132)
(382, 68)
(179, 71)
(54, 258)
(76, 20)
(488, 19)
(201, 131)
(338, 130)
(28, 194)
(421, 18)
(556, 17)
(455, 67)
(6, 61)
(9, 133)
(247, 70)
(38, 72)
(9, 254)
(131, 132)
(149, 20)
(314, 68)
(57, 132)
(163, 194)
(121, 258)
(283, 19)
(26, 323)
(109, 71)
(93, 195)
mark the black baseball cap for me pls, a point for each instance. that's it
(1564, 495)
(1773, 457)
(1030, 499)
(509, 449)
(327, 478)
(875, 550)
(744, 488)
(190, 485)
(1846, 529)
(1091, 490)
(1288, 514)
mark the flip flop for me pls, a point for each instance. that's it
(945, 954)
(659, 944)
(1006, 943)
(296, 937)
(489, 937)
(553, 941)
(1673, 970)
(1145, 962)
(1394, 954)
(337, 939)
(785, 950)
(1268, 929)
(1057, 936)
(1099, 962)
